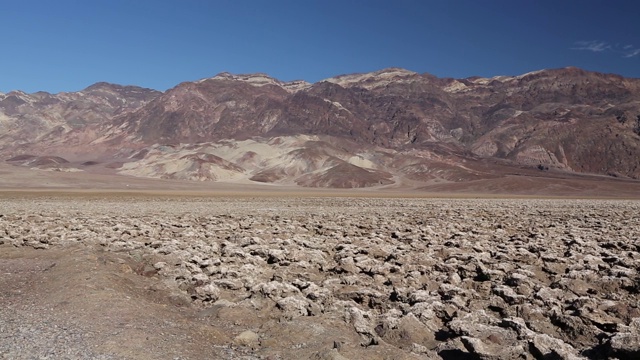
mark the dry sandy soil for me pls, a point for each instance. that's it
(526, 184)
(111, 275)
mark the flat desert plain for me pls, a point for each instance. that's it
(286, 275)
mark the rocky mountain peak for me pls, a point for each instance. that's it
(261, 79)
(101, 85)
(17, 97)
(255, 79)
(374, 79)
(117, 88)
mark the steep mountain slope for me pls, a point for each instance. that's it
(566, 118)
(375, 129)
(30, 119)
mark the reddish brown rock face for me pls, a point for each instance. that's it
(407, 126)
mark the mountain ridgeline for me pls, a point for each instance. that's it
(375, 129)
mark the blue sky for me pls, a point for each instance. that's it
(66, 45)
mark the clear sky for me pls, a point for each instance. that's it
(67, 45)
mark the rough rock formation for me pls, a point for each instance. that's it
(367, 278)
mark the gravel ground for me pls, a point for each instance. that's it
(347, 278)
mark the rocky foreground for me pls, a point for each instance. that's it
(331, 278)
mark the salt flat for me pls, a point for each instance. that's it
(123, 275)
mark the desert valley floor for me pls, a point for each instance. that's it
(283, 275)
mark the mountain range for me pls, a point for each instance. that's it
(384, 129)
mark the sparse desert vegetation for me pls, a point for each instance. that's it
(319, 277)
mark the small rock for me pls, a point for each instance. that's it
(208, 292)
(545, 347)
(293, 306)
(626, 345)
(247, 338)
(160, 265)
(332, 354)
(200, 279)
(408, 332)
